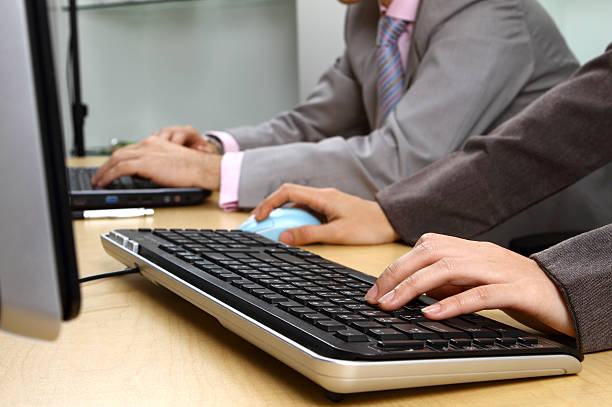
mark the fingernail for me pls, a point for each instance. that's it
(387, 297)
(371, 294)
(432, 309)
(286, 237)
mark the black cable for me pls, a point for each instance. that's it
(111, 274)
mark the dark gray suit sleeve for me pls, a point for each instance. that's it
(582, 269)
(560, 138)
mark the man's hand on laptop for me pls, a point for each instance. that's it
(164, 162)
(468, 276)
(350, 219)
(186, 136)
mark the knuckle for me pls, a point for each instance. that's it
(480, 295)
(448, 265)
(392, 269)
(428, 238)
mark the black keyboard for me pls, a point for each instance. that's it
(79, 179)
(318, 303)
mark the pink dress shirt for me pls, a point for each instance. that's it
(231, 163)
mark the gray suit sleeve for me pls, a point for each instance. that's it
(559, 139)
(467, 77)
(582, 269)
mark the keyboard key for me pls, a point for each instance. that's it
(484, 342)
(274, 298)
(443, 330)
(314, 317)
(528, 340)
(300, 311)
(366, 325)
(461, 343)
(474, 330)
(388, 321)
(437, 343)
(505, 341)
(386, 334)
(415, 331)
(351, 335)
(348, 318)
(331, 325)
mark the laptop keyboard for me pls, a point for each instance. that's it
(79, 179)
(318, 303)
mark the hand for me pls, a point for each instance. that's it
(351, 220)
(472, 276)
(186, 136)
(164, 162)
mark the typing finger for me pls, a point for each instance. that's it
(429, 249)
(448, 270)
(125, 167)
(476, 299)
(102, 177)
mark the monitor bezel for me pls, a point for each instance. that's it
(47, 99)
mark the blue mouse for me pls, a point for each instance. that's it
(279, 220)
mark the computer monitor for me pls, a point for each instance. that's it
(38, 273)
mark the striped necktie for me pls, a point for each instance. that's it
(390, 73)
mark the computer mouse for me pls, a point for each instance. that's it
(279, 220)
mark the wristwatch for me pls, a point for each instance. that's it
(215, 142)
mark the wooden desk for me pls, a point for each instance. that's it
(137, 344)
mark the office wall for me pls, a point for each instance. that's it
(220, 63)
(585, 24)
(212, 64)
(320, 39)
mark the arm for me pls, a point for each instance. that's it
(557, 140)
(582, 269)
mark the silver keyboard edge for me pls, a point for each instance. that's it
(341, 376)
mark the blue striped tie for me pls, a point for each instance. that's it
(390, 79)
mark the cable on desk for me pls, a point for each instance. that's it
(111, 274)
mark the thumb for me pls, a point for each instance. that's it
(307, 234)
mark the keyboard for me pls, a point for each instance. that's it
(286, 296)
(79, 179)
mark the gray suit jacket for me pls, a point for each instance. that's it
(560, 138)
(472, 65)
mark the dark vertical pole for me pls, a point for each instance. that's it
(79, 110)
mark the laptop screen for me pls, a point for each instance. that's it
(38, 278)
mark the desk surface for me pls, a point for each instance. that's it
(135, 343)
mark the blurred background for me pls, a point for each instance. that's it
(216, 64)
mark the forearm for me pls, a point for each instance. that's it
(560, 138)
(582, 270)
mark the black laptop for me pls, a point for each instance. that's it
(126, 192)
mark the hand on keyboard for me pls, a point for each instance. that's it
(472, 276)
(163, 162)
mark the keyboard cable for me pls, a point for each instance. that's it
(132, 270)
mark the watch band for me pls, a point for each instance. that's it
(215, 142)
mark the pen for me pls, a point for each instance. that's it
(112, 213)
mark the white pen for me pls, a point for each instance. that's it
(112, 213)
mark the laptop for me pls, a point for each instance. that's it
(126, 192)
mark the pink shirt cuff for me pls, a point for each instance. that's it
(231, 163)
(230, 145)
